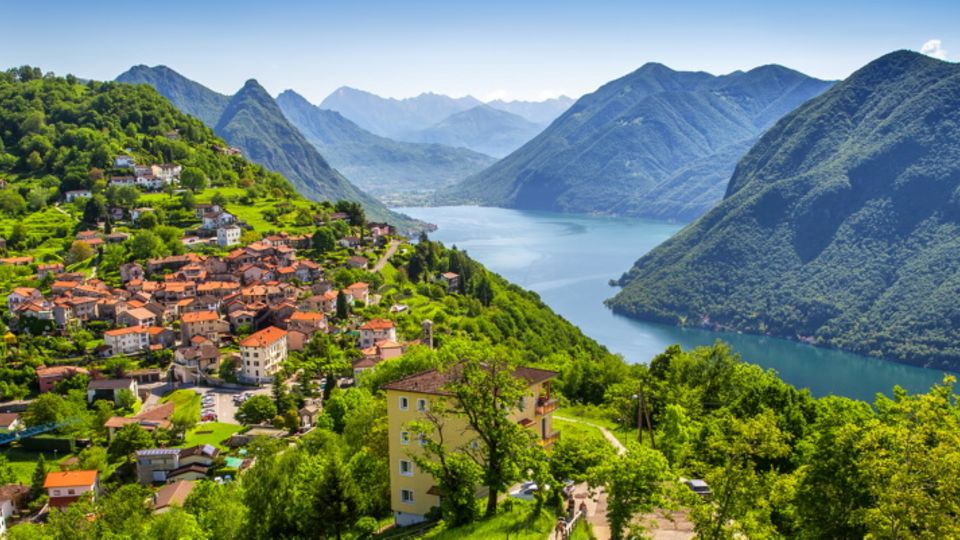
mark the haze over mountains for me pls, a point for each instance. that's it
(496, 128)
(841, 226)
(377, 164)
(252, 121)
(656, 143)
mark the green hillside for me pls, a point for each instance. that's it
(656, 143)
(840, 227)
(252, 121)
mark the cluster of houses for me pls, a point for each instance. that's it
(194, 304)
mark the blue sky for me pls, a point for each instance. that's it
(511, 49)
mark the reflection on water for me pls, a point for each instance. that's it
(569, 260)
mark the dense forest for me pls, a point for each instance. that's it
(840, 227)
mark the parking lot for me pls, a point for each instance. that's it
(222, 402)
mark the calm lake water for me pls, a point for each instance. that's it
(569, 260)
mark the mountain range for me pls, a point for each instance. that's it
(252, 121)
(656, 143)
(481, 128)
(840, 227)
(377, 164)
(496, 128)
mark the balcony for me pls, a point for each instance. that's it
(550, 439)
(546, 405)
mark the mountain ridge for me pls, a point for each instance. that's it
(837, 227)
(375, 163)
(655, 143)
(252, 121)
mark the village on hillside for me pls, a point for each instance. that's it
(187, 353)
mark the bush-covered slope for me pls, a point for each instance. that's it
(841, 226)
(252, 121)
(190, 97)
(377, 164)
(655, 143)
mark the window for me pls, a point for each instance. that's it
(406, 496)
(421, 405)
(522, 403)
(71, 492)
(406, 467)
(56, 493)
(404, 403)
(474, 444)
(423, 439)
(404, 437)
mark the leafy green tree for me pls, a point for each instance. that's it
(193, 179)
(457, 475)
(174, 524)
(740, 504)
(125, 400)
(7, 474)
(219, 509)
(334, 499)
(635, 484)
(18, 236)
(148, 221)
(79, 251)
(343, 307)
(909, 456)
(47, 408)
(146, 245)
(95, 210)
(124, 512)
(324, 240)
(94, 458)
(127, 440)
(12, 203)
(574, 457)
(483, 393)
(38, 478)
(257, 410)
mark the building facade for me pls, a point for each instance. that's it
(262, 353)
(414, 492)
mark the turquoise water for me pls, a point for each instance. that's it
(569, 261)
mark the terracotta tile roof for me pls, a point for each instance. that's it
(264, 338)
(434, 381)
(199, 316)
(129, 330)
(12, 492)
(109, 384)
(26, 291)
(377, 324)
(306, 316)
(140, 313)
(8, 418)
(358, 286)
(70, 479)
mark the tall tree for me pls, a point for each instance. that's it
(635, 483)
(485, 392)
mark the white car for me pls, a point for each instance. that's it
(527, 491)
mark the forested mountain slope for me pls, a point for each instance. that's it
(656, 143)
(840, 227)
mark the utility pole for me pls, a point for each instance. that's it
(644, 415)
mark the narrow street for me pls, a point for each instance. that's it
(391, 249)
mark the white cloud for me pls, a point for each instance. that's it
(548, 94)
(494, 95)
(934, 48)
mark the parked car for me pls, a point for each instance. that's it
(527, 491)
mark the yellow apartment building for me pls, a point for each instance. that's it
(414, 492)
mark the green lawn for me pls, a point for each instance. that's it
(210, 433)
(25, 461)
(598, 417)
(186, 404)
(517, 524)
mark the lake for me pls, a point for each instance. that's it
(569, 259)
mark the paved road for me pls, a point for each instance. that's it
(391, 249)
(224, 407)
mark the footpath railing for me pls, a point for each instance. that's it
(565, 526)
(33, 431)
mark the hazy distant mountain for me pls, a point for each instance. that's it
(538, 112)
(394, 118)
(252, 121)
(378, 164)
(435, 118)
(655, 143)
(482, 128)
(841, 226)
(190, 97)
